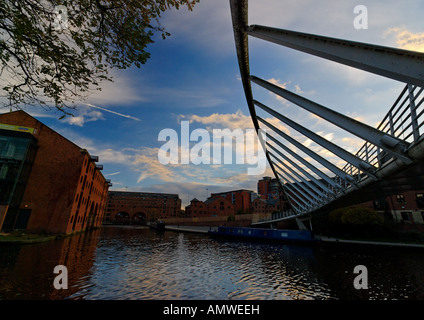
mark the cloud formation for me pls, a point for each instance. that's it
(84, 115)
(408, 40)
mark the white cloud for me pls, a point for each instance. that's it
(408, 40)
(122, 91)
(83, 116)
(231, 121)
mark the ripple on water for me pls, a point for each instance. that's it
(141, 264)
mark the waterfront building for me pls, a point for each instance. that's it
(220, 206)
(212, 207)
(196, 208)
(48, 184)
(404, 207)
(139, 207)
(241, 199)
(265, 206)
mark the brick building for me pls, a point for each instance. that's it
(406, 207)
(241, 199)
(138, 207)
(196, 208)
(265, 206)
(275, 198)
(268, 188)
(47, 183)
(212, 207)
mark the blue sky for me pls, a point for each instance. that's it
(193, 75)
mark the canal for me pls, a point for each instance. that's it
(127, 263)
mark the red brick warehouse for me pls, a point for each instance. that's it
(47, 183)
(139, 207)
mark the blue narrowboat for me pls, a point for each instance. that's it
(264, 234)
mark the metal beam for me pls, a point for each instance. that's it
(308, 196)
(300, 208)
(413, 111)
(305, 173)
(381, 139)
(402, 65)
(306, 163)
(239, 17)
(338, 151)
(327, 164)
(303, 183)
(290, 187)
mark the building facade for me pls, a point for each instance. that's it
(48, 184)
(212, 207)
(266, 206)
(241, 199)
(139, 207)
(268, 188)
(406, 207)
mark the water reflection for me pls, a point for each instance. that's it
(138, 263)
(26, 271)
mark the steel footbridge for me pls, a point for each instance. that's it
(391, 158)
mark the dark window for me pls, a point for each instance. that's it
(420, 200)
(405, 216)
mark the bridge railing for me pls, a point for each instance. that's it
(308, 185)
(404, 120)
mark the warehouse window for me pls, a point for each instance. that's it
(400, 198)
(420, 200)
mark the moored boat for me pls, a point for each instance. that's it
(264, 234)
(158, 225)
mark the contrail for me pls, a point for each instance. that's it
(113, 174)
(119, 114)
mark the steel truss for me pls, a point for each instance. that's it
(308, 187)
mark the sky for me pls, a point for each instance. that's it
(193, 76)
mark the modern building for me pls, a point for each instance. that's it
(138, 207)
(48, 184)
(268, 188)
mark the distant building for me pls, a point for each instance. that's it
(138, 207)
(219, 206)
(268, 188)
(47, 183)
(241, 199)
(212, 207)
(265, 206)
(196, 208)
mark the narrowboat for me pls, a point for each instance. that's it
(265, 234)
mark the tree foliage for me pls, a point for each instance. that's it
(355, 216)
(54, 53)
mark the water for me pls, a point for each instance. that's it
(123, 263)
